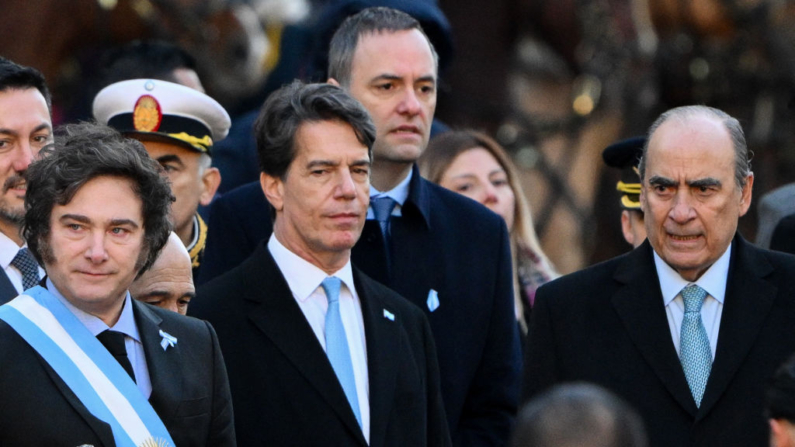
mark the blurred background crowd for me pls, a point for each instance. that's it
(554, 82)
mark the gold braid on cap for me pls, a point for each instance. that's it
(629, 189)
(202, 144)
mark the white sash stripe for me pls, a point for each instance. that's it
(118, 405)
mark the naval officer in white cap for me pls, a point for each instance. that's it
(178, 126)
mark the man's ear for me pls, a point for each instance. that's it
(211, 180)
(332, 81)
(747, 194)
(626, 227)
(273, 187)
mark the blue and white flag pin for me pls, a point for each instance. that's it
(433, 300)
(389, 315)
(168, 340)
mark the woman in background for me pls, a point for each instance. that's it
(474, 165)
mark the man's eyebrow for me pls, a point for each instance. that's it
(40, 127)
(393, 77)
(702, 182)
(321, 163)
(661, 181)
(155, 293)
(363, 162)
(77, 217)
(169, 158)
(119, 222)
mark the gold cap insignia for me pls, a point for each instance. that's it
(147, 114)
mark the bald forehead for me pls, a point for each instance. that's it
(688, 132)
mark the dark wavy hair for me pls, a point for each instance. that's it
(82, 152)
(295, 104)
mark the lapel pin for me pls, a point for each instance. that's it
(389, 315)
(433, 300)
(168, 340)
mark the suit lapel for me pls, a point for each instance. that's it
(165, 366)
(640, 307)
(382, 335)
(748, 301)
(278, 316)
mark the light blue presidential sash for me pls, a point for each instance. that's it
(86, 367)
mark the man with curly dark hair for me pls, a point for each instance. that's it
(111, 370)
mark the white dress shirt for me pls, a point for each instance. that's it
(126, 325)
(399, 194)
(304, 280)
(8, 250)
(713, 281)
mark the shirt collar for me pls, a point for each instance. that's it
(302, 276)
(399, 193)
(713, 280)
(126, 323)
(8, 249)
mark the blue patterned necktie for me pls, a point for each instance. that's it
(694, 350)
(382, 209)
(337, 344)
(26, 264)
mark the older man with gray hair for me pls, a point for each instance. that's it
(687, 326)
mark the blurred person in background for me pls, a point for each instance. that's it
(578, 415)
(780, 405)
(625, 155)
(168, 284)
(178, 126)
(474, 165)
(25, 128)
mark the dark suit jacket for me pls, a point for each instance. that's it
(7, 290)
(607, 324)
(784, 235)
(445, 242)
(190, 391)
(284, 389)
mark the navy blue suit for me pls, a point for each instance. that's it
(7, 290)
(445, 242)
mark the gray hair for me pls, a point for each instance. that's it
(368, 21)
(742, 157)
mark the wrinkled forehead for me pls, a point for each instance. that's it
(690, 139)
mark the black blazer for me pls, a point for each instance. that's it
(445, 242)
(7, 290)
(783, 238)
(190, 391)
(607, 324)
(284, 389)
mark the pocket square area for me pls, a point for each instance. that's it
(433, 300)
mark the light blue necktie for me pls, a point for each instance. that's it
(337, 344)
(27, 265)
(694, 350)
(382, 209)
